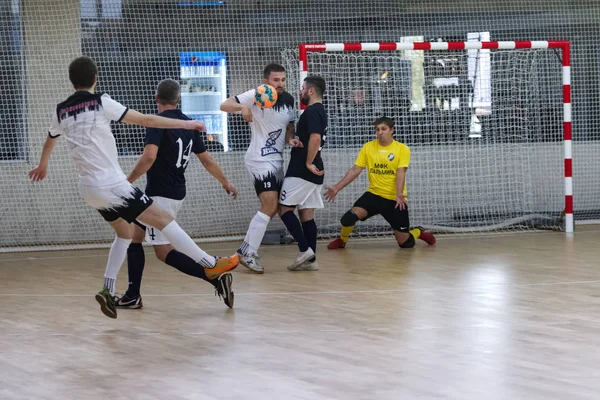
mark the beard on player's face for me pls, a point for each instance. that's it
(305, 98)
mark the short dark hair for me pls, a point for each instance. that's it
(82, 72)
(168, 91)
(316, 82)
(386, 121)
(272, 68)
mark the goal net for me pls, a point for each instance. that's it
(485, 127)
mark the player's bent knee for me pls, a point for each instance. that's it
(283, 209)
(360, 212)
(269, 209)
(306, 214)
(349, 219)
(269, 204)
(408, 243)
(122, 228)
(162, 251)
(139, 234)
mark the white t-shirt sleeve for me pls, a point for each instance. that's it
(292, 116)
(55, 129)
(246, 98)
(113, 110)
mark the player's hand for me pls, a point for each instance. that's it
(230, 189)
(195, 125)
(295, 143)
(247, 113)
(331, 193)
(401, 202)
(38, 173)
(313, 168)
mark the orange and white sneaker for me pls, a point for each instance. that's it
(223, 265)
(336, 244)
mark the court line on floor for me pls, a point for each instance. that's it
(361, 240)
(148, 253)
(366, 291)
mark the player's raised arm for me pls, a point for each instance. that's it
(152, 143)
(233, 105)
(144, 163)
(154, 121)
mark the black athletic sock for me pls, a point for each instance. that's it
(183, 263)
(310, 233)
(136, 259)
(292, 223)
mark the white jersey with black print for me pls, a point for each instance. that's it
(84, 120)
(268, 127)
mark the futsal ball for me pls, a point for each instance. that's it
(265, 96)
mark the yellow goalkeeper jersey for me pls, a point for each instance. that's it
(382, 162)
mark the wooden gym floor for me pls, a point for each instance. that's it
(474, 317)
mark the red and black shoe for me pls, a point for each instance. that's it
(427, 237)
(336, 244)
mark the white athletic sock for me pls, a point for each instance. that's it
(116, 256)
(255, 234)
(109, 283)
(183, 243)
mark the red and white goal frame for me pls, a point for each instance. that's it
(563, 45)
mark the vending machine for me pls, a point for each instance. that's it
(203, 89)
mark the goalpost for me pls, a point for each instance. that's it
(488, 124)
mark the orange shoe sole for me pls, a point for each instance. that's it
(222, 266)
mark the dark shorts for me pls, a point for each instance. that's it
(373, 204)
(267, 183)
(267, 176)
(134, 204)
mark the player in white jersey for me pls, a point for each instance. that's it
(84, 120)
(271, 129)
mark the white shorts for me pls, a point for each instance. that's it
(267, 176)
(121, 200)
(153, 235)
(301, 193)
